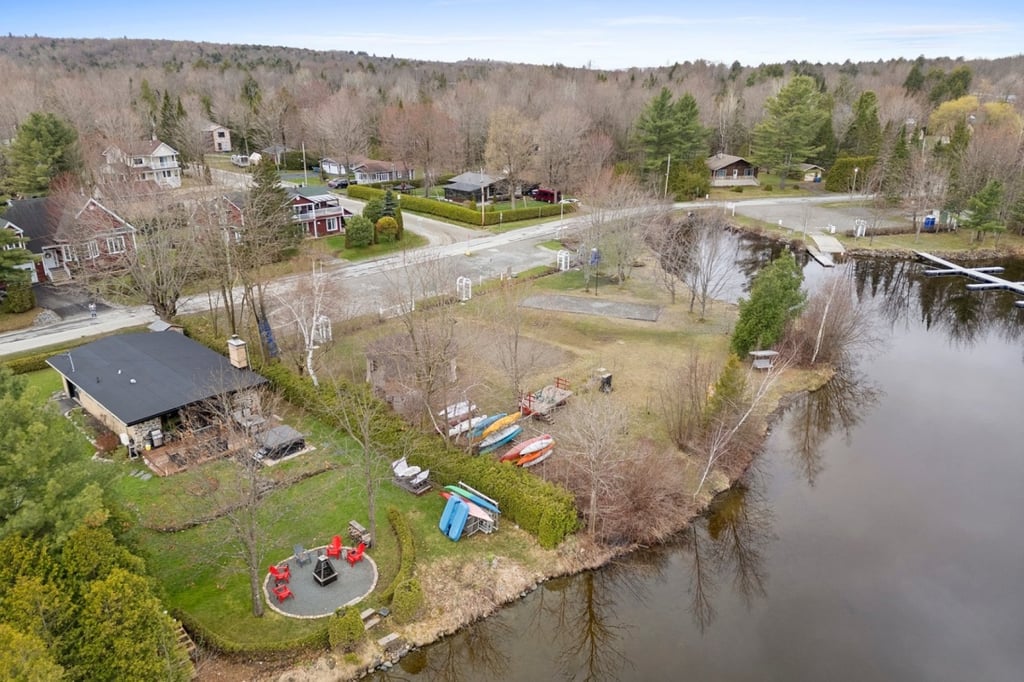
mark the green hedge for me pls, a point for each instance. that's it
(29, 363)
(541, 508)
(840, 175)
(406, 551)
(458, 212)
(314, 641)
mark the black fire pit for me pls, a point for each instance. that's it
(324, 572)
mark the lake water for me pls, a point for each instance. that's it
(878, 537)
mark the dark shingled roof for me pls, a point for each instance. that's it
(169, 371)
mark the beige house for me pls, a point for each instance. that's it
(216, 138)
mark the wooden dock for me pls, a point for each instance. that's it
(545, 401)
(823, 249)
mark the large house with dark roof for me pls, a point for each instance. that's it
(138, 384)
(63, 235)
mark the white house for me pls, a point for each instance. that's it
(148, 161)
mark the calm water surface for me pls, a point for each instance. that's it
(879, 537)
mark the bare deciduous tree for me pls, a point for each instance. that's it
(709, 255)
(510, 147)
(420, 135)
(237, 494)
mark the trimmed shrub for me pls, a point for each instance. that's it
(374, 209)
(387, 230)
(840, 176)
(408, 601)
(406, 549)
(358, 232)
(28, 363)
(738, 189)
(346, 629)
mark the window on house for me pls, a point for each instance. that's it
(137, 161)
(67, 253)
(332, 224)
(115, 245)
(220, 133)
(92, 250)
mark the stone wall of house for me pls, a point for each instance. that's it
(140, 430)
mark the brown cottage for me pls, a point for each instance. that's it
(731, 171)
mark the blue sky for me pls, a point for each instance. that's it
(603, 34)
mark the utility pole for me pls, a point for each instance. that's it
(668, 169)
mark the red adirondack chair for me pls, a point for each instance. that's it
(334, 549)
(282, 592)
(356, 554)
(281, 575)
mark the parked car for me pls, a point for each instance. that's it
(338, 183)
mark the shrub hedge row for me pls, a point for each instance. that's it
(408, 601)
(406, 551)
(314, 641)
(541, 508)
(459, 213)
(29, 363)
(840, 176)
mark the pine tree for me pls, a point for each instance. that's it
(667, 128)
(793, 119)
(914, 82)
(896, 168)
(11, 256)
(984, 210)
(864, 136)
(44, 147)
(775, 299)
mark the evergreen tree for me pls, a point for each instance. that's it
(826, 143)
(47, 486)
(914, 82)
(11, 256)
(984, 209)
(864, 136)
(44, 147)
(667, 128)
(896, 168)
(775, 299)
(793, 120)
(954, 85)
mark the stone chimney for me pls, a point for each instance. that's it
(237, 353)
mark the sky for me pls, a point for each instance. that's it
(601, 35)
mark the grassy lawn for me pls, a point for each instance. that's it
(336, 244)
(46, 381)
(765, 180)
(961, 240)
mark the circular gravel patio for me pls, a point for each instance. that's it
(312, 600)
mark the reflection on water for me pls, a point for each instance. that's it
(942, 304)
(814, 417)
(728, 542)
(877, 538)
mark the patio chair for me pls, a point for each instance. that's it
(281, 575)
(301, 555)
(282, 592)
(356, 554)
(334, 549)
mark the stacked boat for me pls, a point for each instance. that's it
(530, 452)
(462, 505)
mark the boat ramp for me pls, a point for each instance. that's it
(823, 248)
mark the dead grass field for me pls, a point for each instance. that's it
(639, 355)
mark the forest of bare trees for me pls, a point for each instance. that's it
(549, 124)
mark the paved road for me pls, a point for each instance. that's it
(460, 251)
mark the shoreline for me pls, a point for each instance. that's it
(490, 585)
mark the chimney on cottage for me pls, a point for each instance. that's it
(237, 353)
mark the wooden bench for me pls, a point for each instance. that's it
(359, 534)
